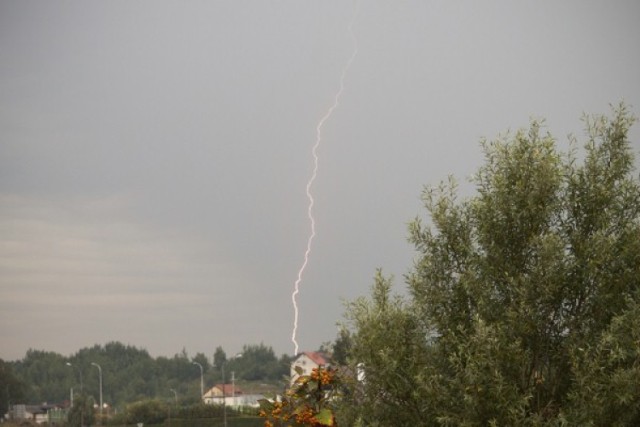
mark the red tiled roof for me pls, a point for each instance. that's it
(219, 390)
(227, 389)
(317, 357)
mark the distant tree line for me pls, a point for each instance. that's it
(130, 374)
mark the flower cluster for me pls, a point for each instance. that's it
(324, 376)
(306, 403)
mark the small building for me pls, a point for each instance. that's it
(220, 391)
(307, 361)
(221, 394)
(230, 395)
(40, 414)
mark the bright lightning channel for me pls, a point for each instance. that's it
(314, 174)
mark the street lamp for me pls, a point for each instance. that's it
(201, 379)
(81, 393)
(79, 372)
(100, 373)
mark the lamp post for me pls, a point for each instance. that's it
(100, 377)
(81, 393)
(80, 373)
(201, 379)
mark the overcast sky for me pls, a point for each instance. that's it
(154, 154)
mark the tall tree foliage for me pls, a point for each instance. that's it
(219, 357)
(11, 388)
(526, 296)
(46, 377)
(389, 354)
(81, 413)
(258, 362)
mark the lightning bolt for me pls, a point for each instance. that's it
(314, 174)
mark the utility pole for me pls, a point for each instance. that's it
(100, 372)
(224, 398)
(201, 379)
(233, 385)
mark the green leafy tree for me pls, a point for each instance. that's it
(45, 376)
(150, 411)
(342, 347)
(219, 357)
(11, 388)
(257, 362)
(523, 304)
(201, 358)
(389, 357)
(81, 413)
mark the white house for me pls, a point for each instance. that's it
(307, 361)
(230, 395)
(219, 392)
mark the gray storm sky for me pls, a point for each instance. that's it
(154, 154)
